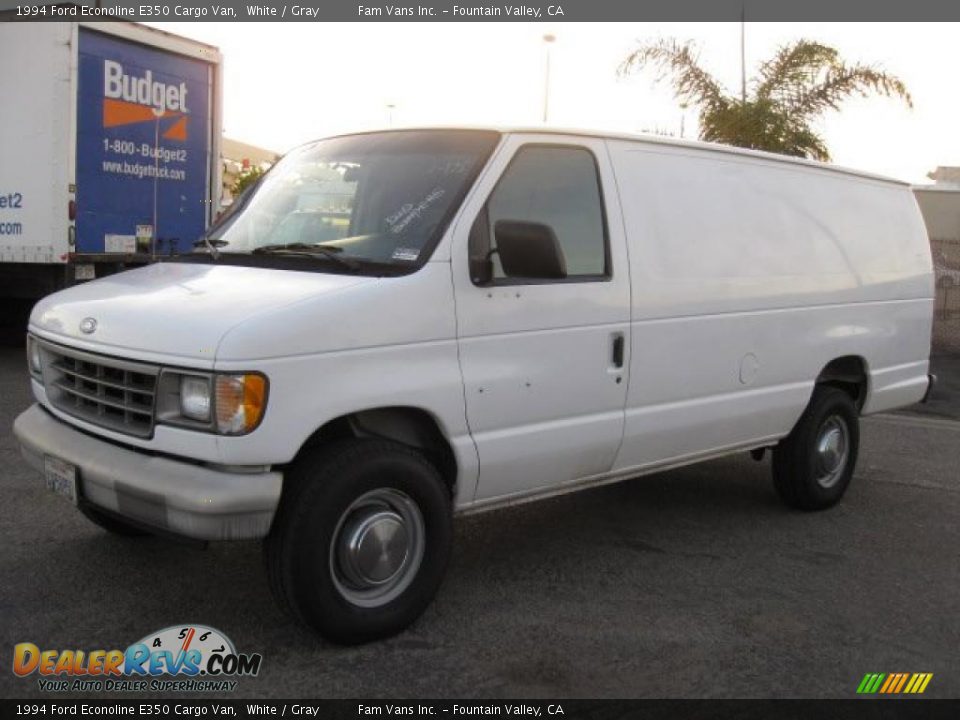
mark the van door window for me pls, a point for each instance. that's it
(553, 186)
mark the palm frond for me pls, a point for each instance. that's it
(762, 125)
(842, 81)
(800, 82)
(692, 85)
(793, 67)
(802, 141)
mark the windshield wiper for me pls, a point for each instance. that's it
(211, 244)
(307, 250)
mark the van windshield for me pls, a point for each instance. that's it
(356, 202)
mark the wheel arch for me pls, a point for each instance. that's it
(404, 424)
(849, 373)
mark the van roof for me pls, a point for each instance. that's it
(651, 140)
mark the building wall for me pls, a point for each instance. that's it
(940, 206)
(941, 211)
(236, 156)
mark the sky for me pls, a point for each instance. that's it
(287, 83)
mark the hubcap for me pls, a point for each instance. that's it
(374, 548)
(377, 547)
(832, 450)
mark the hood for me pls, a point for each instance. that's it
(175, 309)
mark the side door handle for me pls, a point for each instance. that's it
(618, 350)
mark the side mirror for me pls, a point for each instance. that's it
(529, 250)
(481, 270)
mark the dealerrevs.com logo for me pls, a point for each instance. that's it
(181, 658)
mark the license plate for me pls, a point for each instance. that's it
(61, 477)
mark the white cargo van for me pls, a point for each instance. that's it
(394, 327)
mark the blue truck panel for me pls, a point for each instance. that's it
(143, 147)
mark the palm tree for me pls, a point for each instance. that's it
(801, 82)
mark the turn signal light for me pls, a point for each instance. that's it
(240, 402)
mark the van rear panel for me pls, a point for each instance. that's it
(714, 231)
(750, 275)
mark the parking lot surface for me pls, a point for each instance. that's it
(690, 583)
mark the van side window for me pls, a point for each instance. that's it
(553, 186)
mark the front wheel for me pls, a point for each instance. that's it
(813, 465)
(361, 541)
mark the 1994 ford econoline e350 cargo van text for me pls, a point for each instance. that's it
(395, 326)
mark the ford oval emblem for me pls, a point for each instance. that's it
(88, 325)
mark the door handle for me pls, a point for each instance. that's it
(618, 350)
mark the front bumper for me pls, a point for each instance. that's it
(183, 498)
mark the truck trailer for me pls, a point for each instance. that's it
(109, 152)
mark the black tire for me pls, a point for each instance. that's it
(801, 472)
(305, 566)
(111, 524)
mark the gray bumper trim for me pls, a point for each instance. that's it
(179, 497)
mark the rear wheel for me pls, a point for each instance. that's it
(813, 465)
(361, 540)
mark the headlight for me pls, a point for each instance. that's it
(195, 397)
(34, 359)
(226, 404)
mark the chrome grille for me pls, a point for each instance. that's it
(115, 394)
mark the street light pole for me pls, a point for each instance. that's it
(548, 40)
(743, 54)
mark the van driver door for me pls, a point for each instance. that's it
(544, 359)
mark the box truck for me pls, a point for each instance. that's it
(109, 151)
(395, 327)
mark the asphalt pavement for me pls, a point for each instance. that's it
(691, 583)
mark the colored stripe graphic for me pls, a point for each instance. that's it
(894, 683)
(870, 683)
(891, 680)
(177, 131)
(120, 112)
(903, 679)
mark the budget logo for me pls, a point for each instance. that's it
(130, 99)
(197, 656)
(894, 683)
